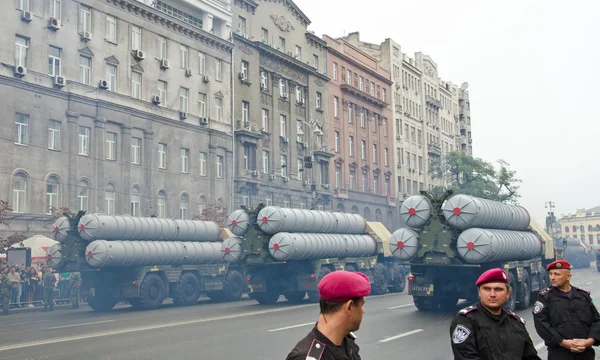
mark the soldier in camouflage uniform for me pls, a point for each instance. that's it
(49, 280)
(74, 282)
(5, 287)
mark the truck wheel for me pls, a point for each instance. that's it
(399, 282)
(152, 292)
(524, 293)
(313, 296)
(509, 305)
(423, 303)
(233, 286)
(267, 298)
(102, 302)
(135, 303)
(188, 289)
(380, 280)
(294, 296)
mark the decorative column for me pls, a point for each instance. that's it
(97, 145)
(72, 148)
(149, 158)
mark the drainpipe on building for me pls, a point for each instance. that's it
(232, 116)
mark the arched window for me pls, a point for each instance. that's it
(340, 208)
(566, 229)
(219, 201)
(589, 227)
(355, 209)
(135, 201)
(110, 199)
(19, 198)
(161, 204)
(52, 185)
(574, 228)
(378, 215)
(581, 228)
(183, 206)
(83, 195)
(201, 203)
(367, 214)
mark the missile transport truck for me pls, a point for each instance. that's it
(145, 260)
(287, 251)
(577, 253)
(451, 240)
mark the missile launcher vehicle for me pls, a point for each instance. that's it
(576, 252)
(287, 251)
(449, 241)
(145, 260)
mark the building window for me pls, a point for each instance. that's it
(282, 125)
(185, 160)
(201, 64)
(57, 9)
(363, 149)
(183, 100)
(362, 118)
(21, 51)
(184, 57)
(316, 62)
(162, 92)
(364, 185)
(111, 29)
(136, 151)
(245, 112)
(299, 132)
(19, 192)
(351, 180)
(375, 153)
(385, 129)
(136, 85)
(109, 199)
(245, 67)
(202, 164)
(161, 203)
(83, 195)
(85, 70)
(52, 186)
(351, 145)
(300, 165)
(384, 95)
(348, 77)
(372, 88)
(135, 201)
(265, 120)
(84, 140)
(111, 146)
(111, 77)
(136, 38)
(282, 88)
(53, 135)
(360, 84)
(265, 162)
(299, 93)
(21, 128)
(337, 141)
(219, 107)
(350, 114)
(162, 156)
(281, 44)
(337, 177)
(218, 69)
(283, 164)
(298, 54)
(201, 203)
(162, 48)
(202, 105)
(335, 71)
(219, 167)
(85, 19)
(385, 157)
(183, 206)
(242, 26)
(264, 35)
(336, 103)
(318, 100)
(53, 61)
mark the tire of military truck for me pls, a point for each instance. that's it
(294, 296)
(313, 296)
(350, 268)
(152, 292)
(380, 280)
(524, 294)
(233, 286)
(511, 302)
(423, 303)
(188, 290)
(267, 298)
(399, 282)
(102, 302)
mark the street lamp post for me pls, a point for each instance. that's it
(315, 126)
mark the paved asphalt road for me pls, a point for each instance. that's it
(392, 328)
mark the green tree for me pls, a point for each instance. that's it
(6, 242)
(468, 175)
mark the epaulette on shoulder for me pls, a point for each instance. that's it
(582, 290)
(468, 309)
(517, 317)
(545, 291)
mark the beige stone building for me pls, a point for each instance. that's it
(584, 225)
(426, 114)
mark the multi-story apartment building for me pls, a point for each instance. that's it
(426, 113)
(464, 142)
(584, 225)
(360, 133)
(281, 108)
(115, 107)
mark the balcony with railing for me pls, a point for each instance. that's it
(433, 101)
(434, 149)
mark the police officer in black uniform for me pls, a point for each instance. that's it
(565, 317)
(342, 298)
(485, 331)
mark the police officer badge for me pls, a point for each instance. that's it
(538, 307)
(460, 334)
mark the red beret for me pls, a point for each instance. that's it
(558, 264)
(340, 286)
(496, 275)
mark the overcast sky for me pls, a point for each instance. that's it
(533, 75)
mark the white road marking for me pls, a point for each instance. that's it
(540, 345)
(400, 336)
(292, 327)
(589, 282)
(23, 323)
(400, 306)
(147, 328)
(84, 324)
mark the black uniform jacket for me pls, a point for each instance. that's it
(558, 316)
(476, 334)
(316, 346)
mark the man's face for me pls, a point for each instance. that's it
(560, 277)
(355, 314)
(493, 295)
